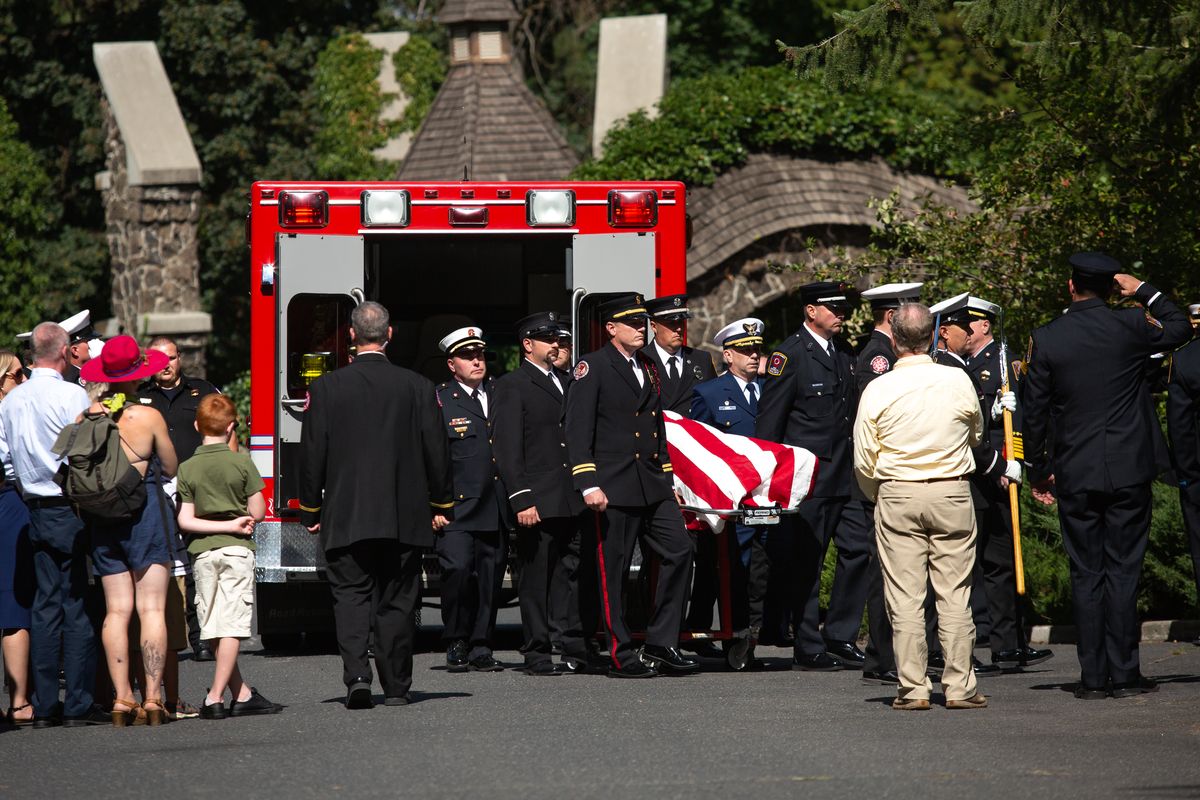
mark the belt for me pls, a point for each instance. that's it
(955, 479)
(47, 502)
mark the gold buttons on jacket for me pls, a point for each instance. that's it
(637, 435)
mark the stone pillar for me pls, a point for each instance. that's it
(151, 196)
(631, 71)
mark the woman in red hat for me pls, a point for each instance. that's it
(133, 557)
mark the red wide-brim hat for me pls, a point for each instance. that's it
(122, 360)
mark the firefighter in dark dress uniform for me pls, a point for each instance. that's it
(529, 441)
(1183, 426)
(995, 566)
(80, 335)
(471, 549)
(1088, 441)
(617, 443)
(876, 357)
(809, 400)
(729, 403)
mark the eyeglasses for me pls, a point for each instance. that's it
(16, 376)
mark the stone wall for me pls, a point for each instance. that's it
(152, 240)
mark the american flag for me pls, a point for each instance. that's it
(720, 470)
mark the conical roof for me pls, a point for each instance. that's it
(487, 120)
(456, 11)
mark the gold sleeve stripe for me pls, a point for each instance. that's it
(441, 505)
(309, 510)
(583, 468)
(667, 468)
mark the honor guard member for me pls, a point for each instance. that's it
(1194, 316)
(176, 396)
(617, 443)
(730, 403)
(1088, 440)
(562, 361)
(1183, 427)
(529, 440)
(375, 482)
(809, 400)
(876, 357)
(80, 335)
(679, 366)
(471, 549)
(993, 513)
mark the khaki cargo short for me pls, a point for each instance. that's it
(224, 592)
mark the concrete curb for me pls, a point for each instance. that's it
(1167, 630)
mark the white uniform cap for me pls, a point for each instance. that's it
(72, 325)
(956, 303)
(891, 295)
(982, 308)
(740, 332)
(1194, 309)
(460, 338)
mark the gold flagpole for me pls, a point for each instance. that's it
(1013, 489)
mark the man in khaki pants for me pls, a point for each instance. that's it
(912, 455)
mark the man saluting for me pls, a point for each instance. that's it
(617, 443)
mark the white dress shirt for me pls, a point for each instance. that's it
(31, 417)
(821, 340)
(548, 373)
(479, 393)
(666, 357)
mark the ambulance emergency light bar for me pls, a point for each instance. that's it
(544, 208)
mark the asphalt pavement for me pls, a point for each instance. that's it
(763, 734)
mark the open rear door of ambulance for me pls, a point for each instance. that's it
(602, 265)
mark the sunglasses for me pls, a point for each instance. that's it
(17, 376)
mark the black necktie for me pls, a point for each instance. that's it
(672, 370)
(752, 390)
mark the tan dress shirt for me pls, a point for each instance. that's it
(916, 423)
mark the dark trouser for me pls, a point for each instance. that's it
(704, 582)
(549, 588)
(1105, 535)
(472, 574)
(60, 624)
(850, 578)
(1191, 523)
(748, 570)
(376, 584)
(193, 624)
(797, 555)
(995, 572)
(662, 527)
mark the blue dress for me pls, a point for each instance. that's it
(16, 560)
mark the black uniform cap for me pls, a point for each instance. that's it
(824, 293)
(625, 307)
(1094, 265)
(673, 306)
(542, 325)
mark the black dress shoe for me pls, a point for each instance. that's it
(1089, 693)
(668, 658)
(203, 653)
(96, 716)
(634, 669)
(984, 670)
(541, 669)
(703, 648)
(885, 677)
(1134, 688)
(485, 663)
(358, 694)
(46, 722)
(1020, 657)
(456, 656)
(402, 700)
(847, 653)
(820, 662)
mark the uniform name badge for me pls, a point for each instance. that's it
(727, 406)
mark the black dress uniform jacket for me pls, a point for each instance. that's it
(373, 439)
(179, 411)
(989, 463)
(876, 357)
(616, 438)
(479, 498)
(530, 443)
(1183, 418)
(810, 399)
(696, 367)
(1086, 383)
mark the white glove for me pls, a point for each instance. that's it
(1004, 401)
(1013, 471)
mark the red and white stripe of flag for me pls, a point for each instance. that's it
(719, 470)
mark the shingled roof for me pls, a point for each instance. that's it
(456, 11)
(487, 120)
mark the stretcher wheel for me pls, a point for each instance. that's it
(737, 654)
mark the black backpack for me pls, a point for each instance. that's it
(96, 475)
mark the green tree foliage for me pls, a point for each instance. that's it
(708, 125)
(420, 70)
(349, 102)
(26, 220)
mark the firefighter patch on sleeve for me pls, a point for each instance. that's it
(776, 364)
(880, 365)
(307, 400)
(581, 370)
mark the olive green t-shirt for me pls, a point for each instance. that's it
(218, 482)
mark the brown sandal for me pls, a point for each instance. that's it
(156, 715)
(134, 715)
(12, 718)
